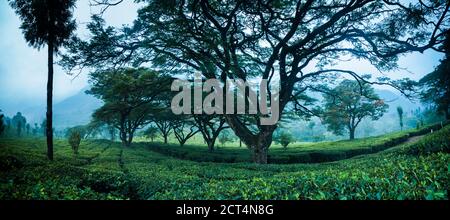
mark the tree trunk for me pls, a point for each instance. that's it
(124, 141)
(113, 134)
(130, 139)
(210, 145)
(260, 150)
(212, 141)
(447, 114)
(260, 155)
(352, 134)
(123, 138)
(257, 143)
(165, 139)
(49, 128)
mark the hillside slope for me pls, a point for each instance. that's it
(105, 170)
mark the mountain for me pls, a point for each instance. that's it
(72, 111)
(396, 99)
(75, 110)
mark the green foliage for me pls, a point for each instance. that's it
(50, 23)
(45, 21)
(19, 122)
(297, 152)
(74, 140)
(198, 38)
(105, 170)
(400, 116)
(81, 130)
(284, 138)
(151, 132)
(436, 85)
(348, 104)
(224, 137)
(436, 142)
(131, 97)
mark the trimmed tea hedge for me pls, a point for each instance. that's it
(105, 170)
(317, 153)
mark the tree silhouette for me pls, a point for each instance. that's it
(19, 122)
(348, 104)
(2, 125)
(436, 85)
(131, 98)
(46, 22)
(184, 128)
(400, 116)
(151, 132)
(291, 43)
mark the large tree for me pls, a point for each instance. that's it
(292, 43)
(19, 122)
(164, 120)
(210, 127)
(184, 128)
(131, 98)
(46, 22)
(348, 104)
(436, 85)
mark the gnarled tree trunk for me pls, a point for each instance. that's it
(352, 134)
(261, 148)
(260, 142)
(211, 144)
(257, 143)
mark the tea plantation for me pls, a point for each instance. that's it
(106, 170)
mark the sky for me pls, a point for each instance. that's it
(23, 70)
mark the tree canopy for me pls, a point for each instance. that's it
(19, 122)
(348, 104)
(131, 97)
(292, 44)
(50, 23)
(436, 84)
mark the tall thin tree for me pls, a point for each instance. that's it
(400, 116)
(46, 22)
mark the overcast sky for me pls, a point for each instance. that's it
(23, 70)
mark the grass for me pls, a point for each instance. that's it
(295, 153)
(105, 170)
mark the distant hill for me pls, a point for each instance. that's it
(395, 99)
(74, 110)
(77, 109)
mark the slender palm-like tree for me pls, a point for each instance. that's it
(400, 116)
(46, 22)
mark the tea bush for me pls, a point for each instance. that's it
(105, 170)
(296, 153)
(74, 140)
